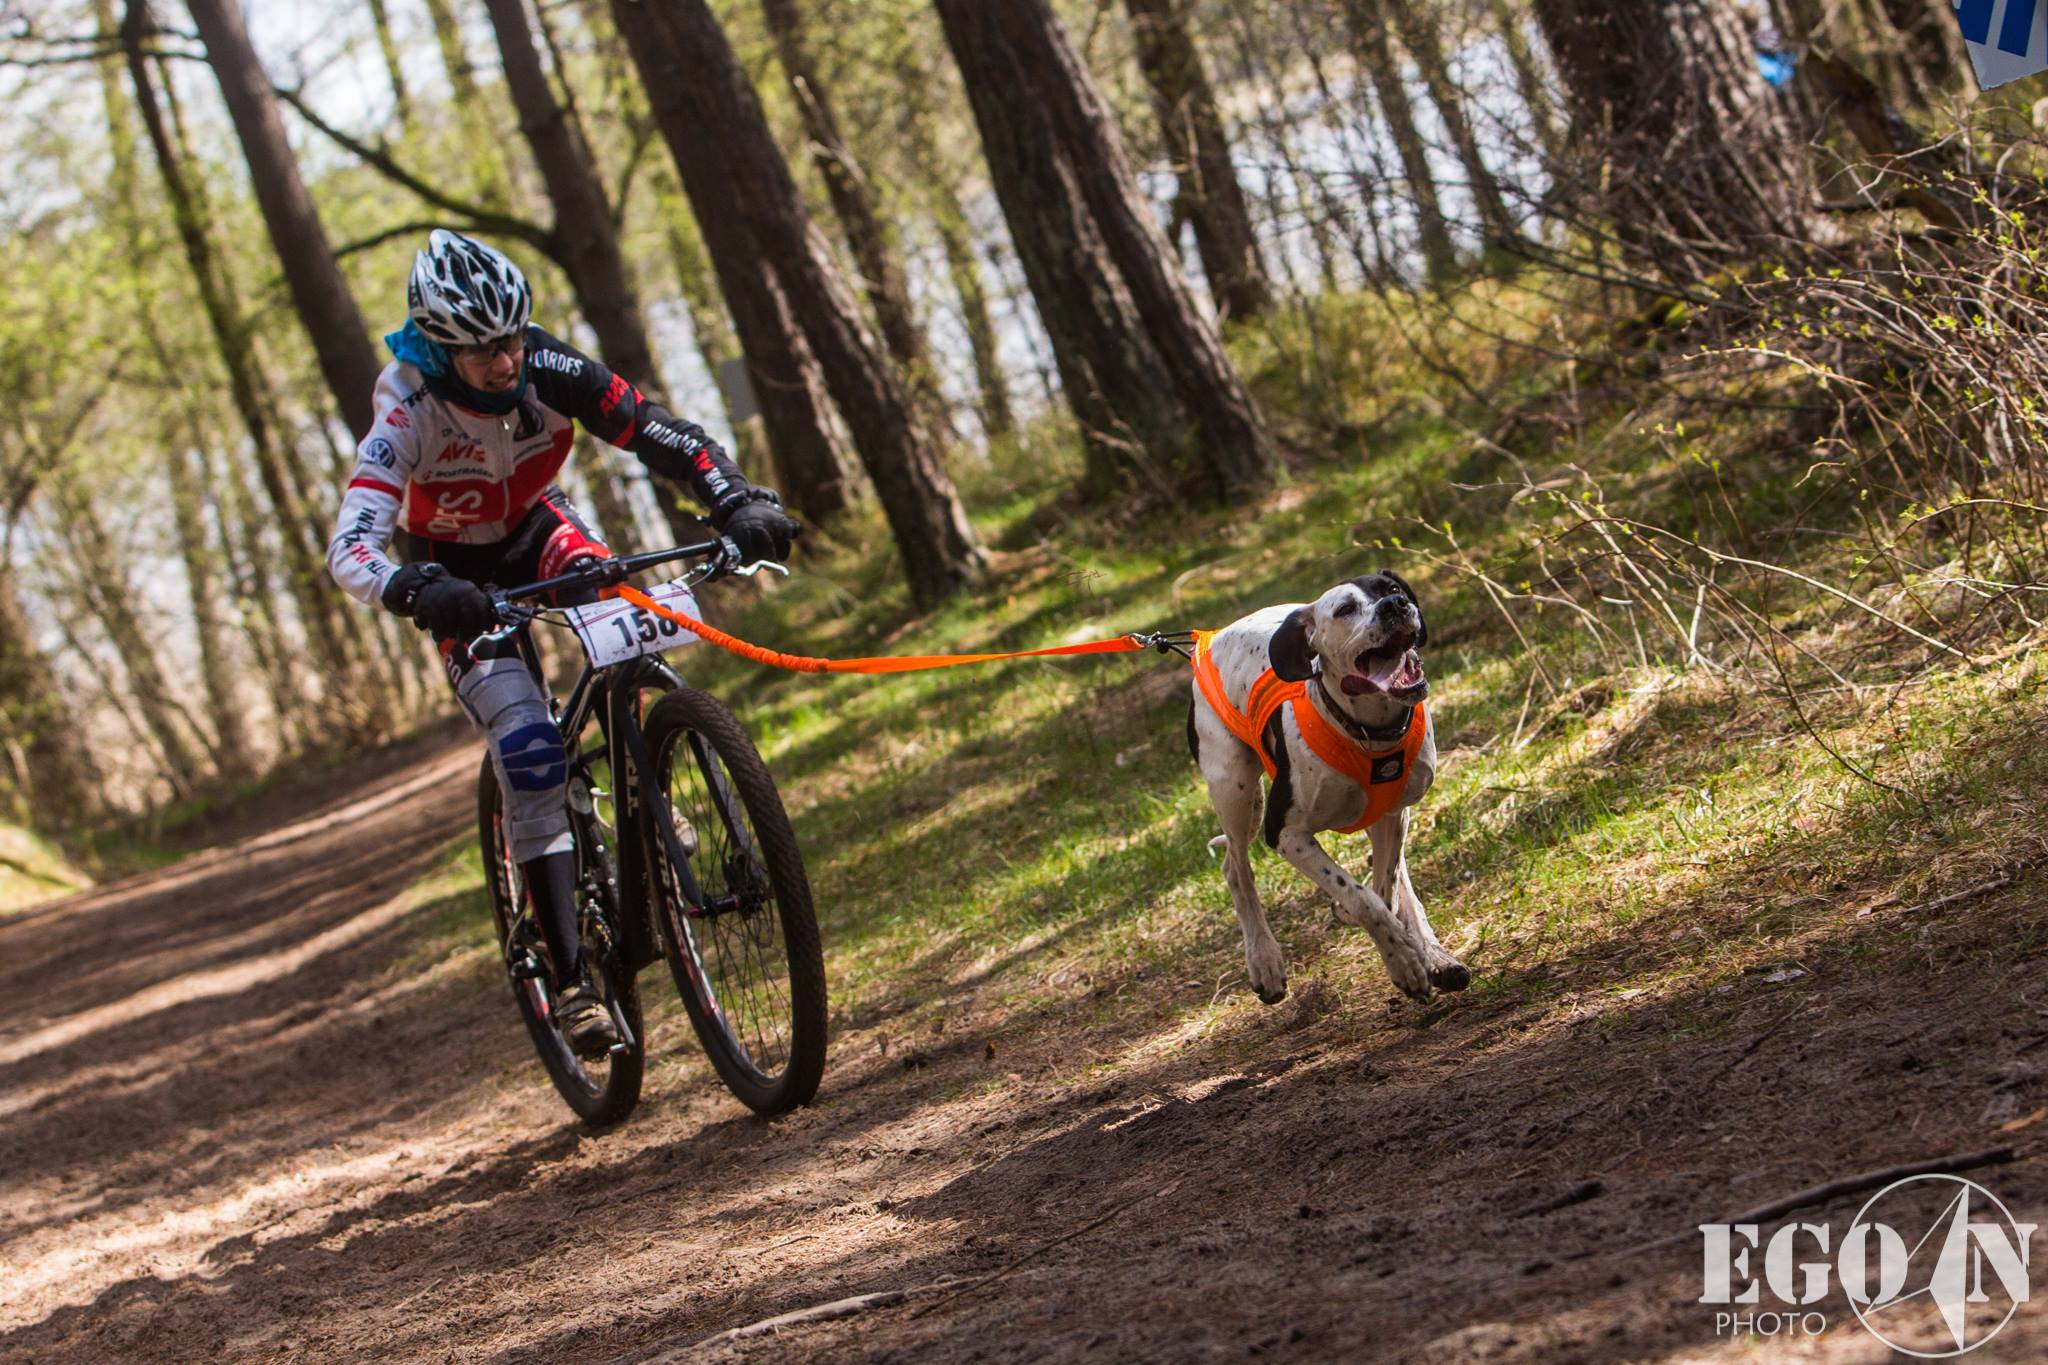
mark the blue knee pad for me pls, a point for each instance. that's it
(505, 702)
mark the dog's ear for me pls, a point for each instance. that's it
(1421, 622)
(1288, 651)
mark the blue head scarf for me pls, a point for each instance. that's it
(431, 359)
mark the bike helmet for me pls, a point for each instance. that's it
(463, 293)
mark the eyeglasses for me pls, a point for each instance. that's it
(504, 345)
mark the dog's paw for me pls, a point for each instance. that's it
(1269, 972)
(1450, 975)
(1410, 973)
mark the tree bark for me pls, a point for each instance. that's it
(793, 434)
(1529, 78)
(1421, 34)
(874, 252)
(1368, 20)
(258, 602)
(1193, 130)
(307, 571)
(941, 198)
(387, 47)
(963, 269)
(471, 110)
(792, 437)
(1143, 369)
(588, 244)
(1933, 46)
(760, 236)
(325, 307)
(216, 672)
(104, 589)
(1682, 146)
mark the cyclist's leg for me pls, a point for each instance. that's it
(543, 545)
(505, 702)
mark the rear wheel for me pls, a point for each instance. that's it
(746, 954)
(601, 1090)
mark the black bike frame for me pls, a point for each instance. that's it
(632, 767)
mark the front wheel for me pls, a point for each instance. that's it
(745, 951)
(601, 1090)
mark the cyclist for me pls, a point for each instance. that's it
(474, 420)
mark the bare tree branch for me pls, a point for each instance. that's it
(540, 238)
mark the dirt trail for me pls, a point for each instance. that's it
(243, 1118)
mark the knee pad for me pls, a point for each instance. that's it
(505, 702)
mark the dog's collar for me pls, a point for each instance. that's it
(1362, 734)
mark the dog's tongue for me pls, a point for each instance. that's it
(1385, 675)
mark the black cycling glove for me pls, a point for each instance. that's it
(439, 602)
(759, 527)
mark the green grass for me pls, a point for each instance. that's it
(1035, 833)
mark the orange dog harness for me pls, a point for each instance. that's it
(1381, 773)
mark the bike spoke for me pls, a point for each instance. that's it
(738, 952)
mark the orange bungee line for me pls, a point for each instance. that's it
(904, 663)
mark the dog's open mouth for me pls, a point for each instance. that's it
(1394, 669)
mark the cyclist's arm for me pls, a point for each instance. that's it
(369, 507)
(610, 408)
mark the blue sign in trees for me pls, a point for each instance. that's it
(2005, 38)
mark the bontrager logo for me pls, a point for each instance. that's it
(1945, 1292)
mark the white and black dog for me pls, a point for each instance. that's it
(1360, 752)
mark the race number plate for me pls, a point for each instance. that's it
(613, 631)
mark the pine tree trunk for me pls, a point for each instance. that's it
(942, 200)
(306, 569)
(1144, 372)
(325, 306)
(216, 672)
(1683, 147)
(1376, 54)
(1422, 36)
(1195, 139)
(963, 269)
(588, 245)
(104, 589)
(788, 385)
(802, 425)
(874, 253)
(387, 46)
(1529, 78)
(487, 171)
(755, 226)
(258, 601)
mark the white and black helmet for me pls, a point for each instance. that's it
(463, 293)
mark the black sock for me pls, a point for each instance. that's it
(551, 880)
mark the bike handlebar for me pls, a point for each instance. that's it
(615, 570)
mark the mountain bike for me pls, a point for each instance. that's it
(683, 852)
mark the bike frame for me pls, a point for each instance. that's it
(616, 710)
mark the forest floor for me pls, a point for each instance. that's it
(273, 1102)
(244, 1118)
